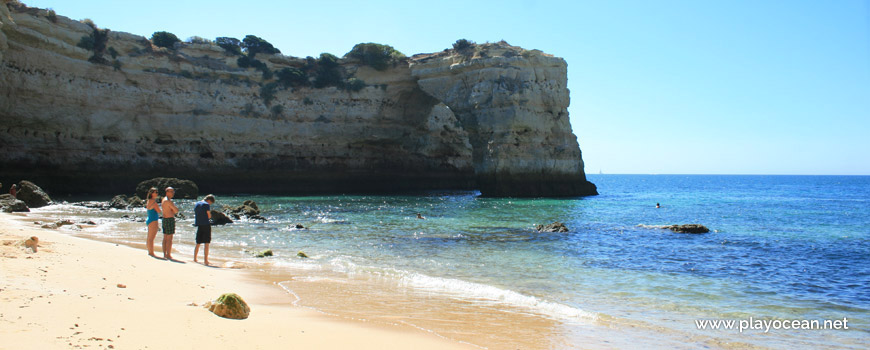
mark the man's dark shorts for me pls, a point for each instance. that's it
(168, 226)
(203, 234)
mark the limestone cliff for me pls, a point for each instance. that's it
(491, 117)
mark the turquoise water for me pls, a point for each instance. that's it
(782, 247)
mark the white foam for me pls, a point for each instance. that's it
(490, 293)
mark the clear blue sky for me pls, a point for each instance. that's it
(678, 87)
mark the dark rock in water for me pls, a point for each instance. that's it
(299, 226)
(184, 189)
(257, 217)
(230, 305)
(32, 195)
(690, 228)
(9, 204)
(302, 255)
(265, 253)
(554, 227)
(118, 202)
(88, 222)
(218, 218)
(251, 204)
(134, 202)
(248, 208)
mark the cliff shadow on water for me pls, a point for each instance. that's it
(85, 109)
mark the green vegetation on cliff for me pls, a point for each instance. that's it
(164, 39)
(377, 56)
(95, 42)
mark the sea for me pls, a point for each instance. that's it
(782, 250)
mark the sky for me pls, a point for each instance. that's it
(657, 87)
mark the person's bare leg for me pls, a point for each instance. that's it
(169, 248)
(152, 234)
(196, 252)
(205, 252)
(165, 244)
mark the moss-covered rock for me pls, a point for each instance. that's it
(230, 305)
(265, 253)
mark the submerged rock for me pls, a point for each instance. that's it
(32, 195)
(302, 255)
(554, 227)
(230, 305)
(689, 228)
(9, 204)
(299, 227)
(184, 189)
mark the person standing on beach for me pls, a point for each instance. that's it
(202, 220)
(169, 211)
(153, 215)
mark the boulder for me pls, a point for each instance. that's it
(135, 201)
(554, 227)
(248, 208)
(302, 255)
(122, 202)
(9, 204)
(184, 189)
(49, 226)
(265, 253)
(689, 228)
(252, 204)
(230, 305)
(32, 195)
(118, 202)
(300, 227)
(218, 218)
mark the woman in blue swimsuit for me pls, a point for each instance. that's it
(153, 215)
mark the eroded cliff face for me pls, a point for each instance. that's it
(452, 120)
(514, 105)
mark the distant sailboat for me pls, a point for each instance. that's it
(599, 172)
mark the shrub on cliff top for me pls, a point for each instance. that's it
(254, 45)
(51, 15)
(231, 45)
(462, 44)
(377, 56)
(198, 40)
(164, 39)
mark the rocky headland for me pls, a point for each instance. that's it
(90, 110)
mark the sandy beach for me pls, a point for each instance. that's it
(80, 293)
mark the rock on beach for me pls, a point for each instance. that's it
(230, 305)
(32, 195)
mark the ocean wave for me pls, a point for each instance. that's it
(478, 291)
